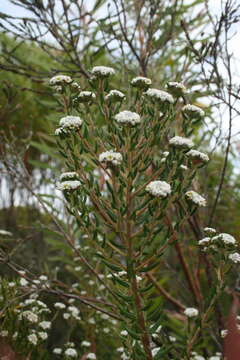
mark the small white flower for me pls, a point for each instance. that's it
(59, 305)
(71, 352)
(176, 88)
(5, 233)
(172, 338)
(74, 311)
(195, 198)
(159, 96)
(4, 333)
(194, 112)
(71, 122)
(72, 175)
(23, 282)
(141, 82)
(124, 333)
(30, 316)
(66, 316)
(91, 356)
(226, 238)
(102, 71)
(224, 333)
(45, 325)
(120, 349)
(197, 156)
(112, 157)
(104, 316)
(181, 142)
(86, 343)
(43, 278)
(216, 357)
(155, 351)
(11, 284)
(43, 335)
(57, 351)
(159, 188)
(128, 117)
(32, 338)
(60, 80)
(209, 231)
(68, 185)
(115, 95)
(86, 96)
(92, 321)
(183, 167)
(204, 241)
(106, 330)
(235, 257)
(191, 312)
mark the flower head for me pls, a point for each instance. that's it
(159, 96)
(209, 231)
(57, 351)
(68, 185)
(114, 96)
(204, 241)
(128, 117)
(235, 257)
(32, 338)
(60, 80)
(225, 238)
(181, 142)
(195, 198)
(141, 82)
(197, 157)
(111, 157)
(159, 188)
(191, 312)
(192, 111)
(102, 71)
(91, 356)
(69, 176)
(71, 122)
(86, 96)
(176, 88)
(70, 352)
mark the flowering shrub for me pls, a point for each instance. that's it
(130, 184)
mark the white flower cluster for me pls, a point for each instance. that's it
(102, 71)
(195, 198)
(5, 233)
(71, 175)
(159, 188)
(225, 238)
(205, 241)
(68, 124)
(141, 82)
(59, 306)
(191, 312)
(69, 181)
(60, 80)
(128, 117)
(91, 356)
(68, 185)
(196, 356)
(180, 142)
(159, 95)
(72, 312)
(176, 88)
(209, 231)
(71, 352)
(235, 257)
(111, 157)
(115, 95)
(86, 96)
(197, 156)
(194, 112)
